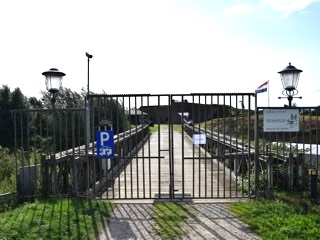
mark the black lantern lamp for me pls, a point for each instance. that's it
(290, 78)
(53, 83)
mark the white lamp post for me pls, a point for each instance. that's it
(290, 78)
(53, 83)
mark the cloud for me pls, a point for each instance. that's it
(287, 7)
(239, 9)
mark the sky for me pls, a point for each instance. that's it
(162, 47)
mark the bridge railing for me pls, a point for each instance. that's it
(74, 172)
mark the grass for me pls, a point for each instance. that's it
(287, 216)
(55, 219)
(169, 218)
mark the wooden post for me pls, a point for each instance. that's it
(270, 171)
(44, 176)
(290, 171)
(74, 176)
(300, 171)
(53, 165)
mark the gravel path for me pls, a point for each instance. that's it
(204, 221)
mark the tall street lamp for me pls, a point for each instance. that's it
(88, 56)
(53, 83)
(290, 78)
(87, 127)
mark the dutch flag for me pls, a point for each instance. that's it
(262, 88)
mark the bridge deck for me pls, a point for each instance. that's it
(195, 173)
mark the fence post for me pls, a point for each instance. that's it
(44, 175)
(300, 171)
(74, 174)
(53, 171)
(270, 171)
(290, 171)
(313, 183)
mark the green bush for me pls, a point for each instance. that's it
(7, 171)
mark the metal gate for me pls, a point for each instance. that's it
(175, 146)
(166, 146)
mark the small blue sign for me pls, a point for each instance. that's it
(105, 144)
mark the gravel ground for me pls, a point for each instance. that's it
(204, 221)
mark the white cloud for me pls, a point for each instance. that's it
(287, 7)
(239, 9)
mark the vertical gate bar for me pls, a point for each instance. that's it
(88, 112)
(206, 148)
(26, 151)
(256, 156)
(80, 153)
(120, 149)
(182, 145)
(310, 137)
(230, 137)
(224, 148)
(15, 141)
(142, 152)
(316, 139)
(73, 168)
(131, 183)
(65, 174)
(93, 158)
(27, 154)
(235, 161)
(242, 159)
(303, 133)
(198, 147)
(256, 134)
(211, 144)
(107, 105)
(125, 154)
(159, 152)
(170, 147)
(92, 139)
(193, 149)
(22, 148)
(149, 146)
(136, 142)
(171, 120)
(35, 150)
(114, 127)
(219, 150)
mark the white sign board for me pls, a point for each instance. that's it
(281, 120)
(199, 139)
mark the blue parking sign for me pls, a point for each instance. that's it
(105, 144)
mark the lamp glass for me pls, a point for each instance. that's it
(290, 80)
(53, 83)
(53, 80)
(290, 77)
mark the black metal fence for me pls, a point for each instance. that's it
(288, 145)
(167, 146)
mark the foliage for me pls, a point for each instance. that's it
(7, 171)
(55, 219)
(8, 201)
(286, 217)
(248, 183)
(169, 218)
